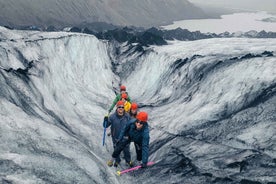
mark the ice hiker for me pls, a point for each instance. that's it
(117, 121)
(133, 110)
(137, 131)
(127, 104)
(118, 97)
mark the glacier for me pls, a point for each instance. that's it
(211, 106)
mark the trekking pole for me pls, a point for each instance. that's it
(105, 122)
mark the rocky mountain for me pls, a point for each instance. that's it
(63, 13)
(155, 36)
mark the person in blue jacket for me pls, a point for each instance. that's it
(137, 131)
(117, 121)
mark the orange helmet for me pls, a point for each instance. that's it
(134, 106)
(120, 103)
(122, 88)
(142, 116)
(124, 95)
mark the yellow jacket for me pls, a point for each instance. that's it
(127, 106)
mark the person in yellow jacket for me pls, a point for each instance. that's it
(127, 104)
(118, 97)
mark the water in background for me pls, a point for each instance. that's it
(232, 23)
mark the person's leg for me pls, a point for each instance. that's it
(127, 154)
(119, 148)
(118, 159)
(138, 149)
(116, 154)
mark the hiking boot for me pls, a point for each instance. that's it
(116, 164)
(130, 164)
(110, 163)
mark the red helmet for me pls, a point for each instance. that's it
(120, 103)
(122, 88)
(142, 116)
(124, 95)
(134, 106)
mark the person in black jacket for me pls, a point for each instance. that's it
(117, 121)
(137, 131)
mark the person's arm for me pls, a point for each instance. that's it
(118, 97)
(125, 130)
(108, 120)
(128, 98)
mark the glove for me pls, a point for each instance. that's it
(143, 165)
(106, 118)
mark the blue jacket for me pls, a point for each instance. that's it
(140, 137)
(117, 123)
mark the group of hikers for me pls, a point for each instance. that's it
(127, 125)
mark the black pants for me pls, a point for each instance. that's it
(138, 149)
(123, 144)
(126, 151)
